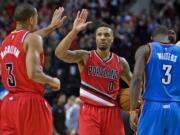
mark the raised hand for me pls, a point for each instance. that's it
(57, 19)
(80, 21)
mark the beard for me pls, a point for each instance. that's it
(103, 48)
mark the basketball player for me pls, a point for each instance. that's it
(23, 110)
(100, 72)
(160, 61)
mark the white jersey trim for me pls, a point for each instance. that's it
(22, 40)
(112, 55)
(88, 95)
(82, 82)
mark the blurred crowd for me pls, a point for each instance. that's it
(132, 25)
(66, 115)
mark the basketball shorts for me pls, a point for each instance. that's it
(95, 120)
(25, 114)
(3, 93)
(160, 118)
(0, 115)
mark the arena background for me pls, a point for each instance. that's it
(131, 20)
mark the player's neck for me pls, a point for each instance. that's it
(22, 27)
(103, 54)
(162, 39)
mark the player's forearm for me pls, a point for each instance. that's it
(135, 89)
(64, 45)
(45, 31)
(40, 77)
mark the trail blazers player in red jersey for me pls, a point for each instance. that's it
(23, 110)
(100, 72)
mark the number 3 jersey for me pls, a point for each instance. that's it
(100, 80)
(13, 65)
(163, 73)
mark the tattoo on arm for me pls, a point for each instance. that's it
(126, 74)
(75, 56)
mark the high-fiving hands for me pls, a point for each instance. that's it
(80, 23)
(57, 19)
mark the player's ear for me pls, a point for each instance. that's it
(112, 40)
(31, 20)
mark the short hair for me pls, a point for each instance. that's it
(98, 24)
(23, 12)
(160, 30)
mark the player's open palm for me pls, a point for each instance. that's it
(57, 19)
(80, 23)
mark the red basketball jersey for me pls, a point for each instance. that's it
(100, 80)
(13, 65)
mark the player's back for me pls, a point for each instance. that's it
(13, 65)
(162, 73)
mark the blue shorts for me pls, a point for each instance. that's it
(160, 118)
(3, 93)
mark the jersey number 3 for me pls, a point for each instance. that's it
(11, 78)
(167, 78)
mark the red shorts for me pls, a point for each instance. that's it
(0, 110)
(25, 114)
(95, 120)
(0, 115)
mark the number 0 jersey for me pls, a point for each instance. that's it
(163, 73)
(13, 65)
(100, 80)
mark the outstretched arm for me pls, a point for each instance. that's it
(141, 57)
(33, 48)
(62, 51)
(126, 74)
(56, 22)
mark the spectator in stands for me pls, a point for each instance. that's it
(72, 119)
(59, 115)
